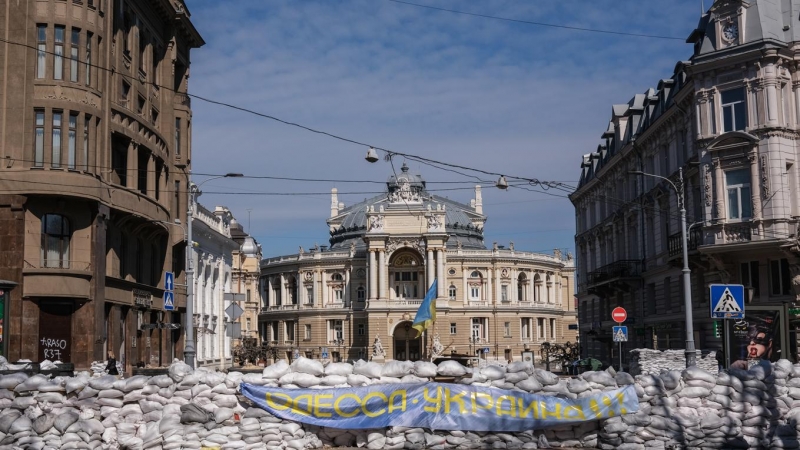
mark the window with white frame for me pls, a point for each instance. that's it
(335, 331)
(479, 329)
(553, 328)
(273, 331)
(525, 328)
(338, 295)
(540, 328)
(289, 326)
(734, 113)
(406, 284)
(308, 332)
(38, 139)
(56, 139)
(74, 42)
(452, 328)
(737, 184)
(507, 329)
(452, 292)
(475, 285)
(780, 277)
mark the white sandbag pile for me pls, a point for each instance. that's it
(186, 409)
(646, 360)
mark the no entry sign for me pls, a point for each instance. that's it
(619, 314)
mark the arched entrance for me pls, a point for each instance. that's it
(406, 346)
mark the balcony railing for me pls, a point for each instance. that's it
(675, 242)
(625, 268)
(183, 99)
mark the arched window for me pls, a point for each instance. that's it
(475, 274)
(550, 290)
(337, 277)
(522, 285)
(475, 285)
(537, 288)
(55, 241)
(452, 292)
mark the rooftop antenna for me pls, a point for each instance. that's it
(702, 7)
(248, 218)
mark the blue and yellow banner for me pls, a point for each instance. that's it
(437, 406)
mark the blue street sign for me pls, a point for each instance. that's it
(727, 301)
(169, 301)
(169, 281)
(485, 349)
(620, 333)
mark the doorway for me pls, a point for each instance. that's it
(55, 331)
(406, 346)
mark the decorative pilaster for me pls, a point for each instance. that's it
(381, 274)
(719, 202)
(440, 272)
(373, 276)
(429, 269)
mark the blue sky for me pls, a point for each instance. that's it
(505, 97)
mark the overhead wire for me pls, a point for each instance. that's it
(541, 24)
(423, 160)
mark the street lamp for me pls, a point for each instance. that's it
(189, 350)
(687, 282)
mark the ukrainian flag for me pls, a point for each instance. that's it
(426, 313)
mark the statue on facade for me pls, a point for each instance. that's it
(300, 250)
(377, 348)
(433, 222)
(557, 254)
(436, 347)
(352, 248)
(569, 256)
(376, 223)
(511, 246)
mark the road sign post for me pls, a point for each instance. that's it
(619, 315)
(727, 301)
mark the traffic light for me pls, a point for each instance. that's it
(717, 329)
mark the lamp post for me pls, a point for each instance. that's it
(189, 350)
(687, 282)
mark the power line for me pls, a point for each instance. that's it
(389, 153)
(541, 24)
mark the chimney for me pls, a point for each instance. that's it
(478, 200)
(334, 202)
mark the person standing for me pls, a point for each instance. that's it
(111, 365)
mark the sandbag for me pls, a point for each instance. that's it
(191, 413)
(12, 380)
(178, 370)
(342, 369)
(277, 370)
(32, 383)
(493, 373)
(424, 369)
(334, 380)
(370, 369)
(451, 369)
(43, 423)
(545, 377)
(76, 384)
(397, 369)
(306, 380)
(308, 366)
(520, 366)
(135, 382)
(65, 420)
(102, 383)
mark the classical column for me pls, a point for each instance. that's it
(514, 290)
(347, 286)
(323, 287)
(464, 286)
(719, 191)
(496, 285)
(755, 183)
(373, 276)
(283, 289)
(381, 273)
(429, 269)
(440, 271)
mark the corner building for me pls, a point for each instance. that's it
(729, 119)
(384, 254)
(96, 150)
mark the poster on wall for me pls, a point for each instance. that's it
(754, 338)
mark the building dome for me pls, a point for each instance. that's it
(406, 192)
(250, 248)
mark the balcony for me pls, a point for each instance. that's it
(675, 242)
(183, 100)
(62, 279)
(614, 277)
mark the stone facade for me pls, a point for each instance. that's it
(724, 130)
(213, 263)
(95, 147)
(497, 304)
(246, 273)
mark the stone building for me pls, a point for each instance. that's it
(212, 250)
(729, 119)
(246, 277)
(385, 252)
(95, 149)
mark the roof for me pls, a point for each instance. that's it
(350, 225)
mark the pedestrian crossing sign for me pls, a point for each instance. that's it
(620, 333)
(169, 301)
(727, 301)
